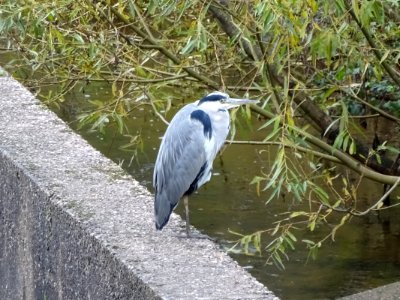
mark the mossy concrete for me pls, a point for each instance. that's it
(71, 229)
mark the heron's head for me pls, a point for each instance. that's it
(222, 101)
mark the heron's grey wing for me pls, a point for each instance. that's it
(180, 160)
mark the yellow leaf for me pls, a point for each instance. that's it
(314, 6)
(387, 52)
(289, 117)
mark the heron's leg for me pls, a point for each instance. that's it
(186, 203)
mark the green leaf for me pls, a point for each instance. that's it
(257, 179)
(345, 142)
(273, 120)
(297, 214)
(356, 8)
(329, 92)
(78, 38)
(322, 195)
(353, 148)
(188, 47)
(291, 236)
(308, 242)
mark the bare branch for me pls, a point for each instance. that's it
(379, 202)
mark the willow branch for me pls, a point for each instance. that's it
(379, 202)
(232, 30)
(112, 79)
(292, 146)
(377, 109)
(150, 97)
(392, 73)
(343, 157)
(142, 20)
(347, 160)
(154, 44)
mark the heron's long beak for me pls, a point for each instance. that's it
(234, 102)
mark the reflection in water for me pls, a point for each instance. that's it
(365, 256)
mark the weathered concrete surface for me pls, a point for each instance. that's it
(73, 225)
(385, 292)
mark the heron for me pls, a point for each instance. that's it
(188, 148)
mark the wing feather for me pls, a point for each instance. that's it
(180, 159)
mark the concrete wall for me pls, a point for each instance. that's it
(73, 225)
(385, 292)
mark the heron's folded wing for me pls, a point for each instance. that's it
(181, 157)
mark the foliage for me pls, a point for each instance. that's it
(305, 58)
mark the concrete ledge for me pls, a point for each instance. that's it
(385, 292)
(73, 225)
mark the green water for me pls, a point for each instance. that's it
(365, 256)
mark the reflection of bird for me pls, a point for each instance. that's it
(184, 162)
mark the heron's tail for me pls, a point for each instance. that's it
(162, 210)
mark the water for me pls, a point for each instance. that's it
(365, 256)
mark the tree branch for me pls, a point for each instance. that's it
(373, 45)
(292, 146)
(377, 109)
(348, 160)
(379, 202)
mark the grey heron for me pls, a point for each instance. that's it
(185, 158)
